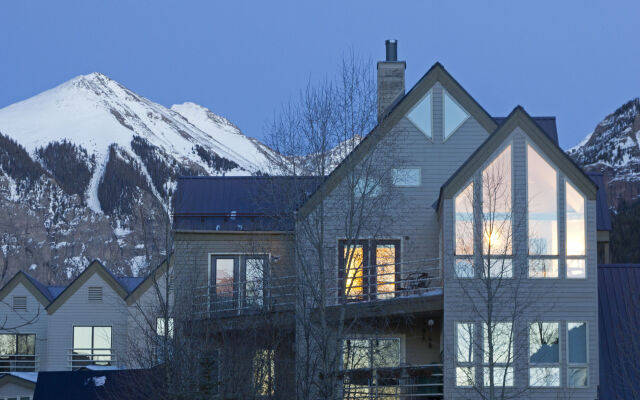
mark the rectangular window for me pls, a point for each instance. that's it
(163, 328)
(464, 221)
(465, 372)
(264, 372)
(238, 281)
(544, 354)
(577, 373)
(91, 345)
(496, 205)
(543, 268)
(17, 344)
(366, 186)
(369, 269)
(19, 303)
(95, 294)
(502, 357)
(498, 268)
(405, 177)
(254, 289)
(575, 235)
(360, 353)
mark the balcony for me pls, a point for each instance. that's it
(78, 358)
(19, 363)
(248, 297)
(407, 383)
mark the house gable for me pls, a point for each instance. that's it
(517, 118)
(94, 268)
(397, 112)
(21, 278)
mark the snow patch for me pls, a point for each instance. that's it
(99, 380)
(138, 263)
(33, 267)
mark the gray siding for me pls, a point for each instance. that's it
(11, 389)
(556, 300)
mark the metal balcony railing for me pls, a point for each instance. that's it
(77, 357)
(274, 294)
(19, 363)
(402, 383)
(378, 283)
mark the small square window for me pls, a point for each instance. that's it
(543, 268)
(464, 268)
(576, 268)
(406, 177)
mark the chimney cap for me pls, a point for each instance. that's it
(391, 46)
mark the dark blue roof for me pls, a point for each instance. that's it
(135, 384)
(546, 124)
(247, 203)
(41, 288)
(619, 324)
(603, 214)
(129, 283)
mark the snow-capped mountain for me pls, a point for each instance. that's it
(88, 169)
(613, 148)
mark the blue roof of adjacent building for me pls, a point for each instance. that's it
(603, 214)
(249, 203)
(136, 384)
(619, 325)
(546, 124)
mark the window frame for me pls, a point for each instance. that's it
(430, 135)
(393, 178)
(506, 366)
(559, 203)
(465, 257)
(400, 338)
(239, 279)
(584, 365)
(568, 257)
(445, 137)
(557, 366)
(369, 270)
(35, 343)
(471, 364)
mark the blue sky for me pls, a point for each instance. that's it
(576, 60)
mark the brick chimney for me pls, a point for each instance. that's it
(390, 78)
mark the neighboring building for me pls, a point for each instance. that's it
(92, 321)
(393, 299)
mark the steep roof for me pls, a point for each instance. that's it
(618, 325)
(603, 214)
(249, 203)
(547, 124)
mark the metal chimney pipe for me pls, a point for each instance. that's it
(392, 50)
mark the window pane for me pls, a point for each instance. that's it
(354, 262)
(499, 378)
(465, 342)
(577, 342)
(367, 187)
(576, 268)
(102, 337)
(464, 268)
(464, 221)
(7, 344)
(255, 273)
(502, 340)
(543, 268)
(454, 115)
(575, 222)
(224, 277)
(356, 353)
(544, 376)
(82, 336)
(544, 343)
(420, 115)
(26, 344)
(496, 205)
(577, 377)
(542, 201)
(406, 176)
(386, 270)
(498, 267)
(386, 353)
(465, 376)
(160, 327)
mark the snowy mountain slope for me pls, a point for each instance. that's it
(89, 168)
(613, 148)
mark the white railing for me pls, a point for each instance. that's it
(19, 363)
(377, 283)
(407, 383)
(77, 357)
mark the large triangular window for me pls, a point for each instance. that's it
(420, 115)
(454, 115)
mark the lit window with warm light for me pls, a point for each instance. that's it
(542, 203)
(496, 216)
(354, 266)
(463, 204)
(575, 235)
